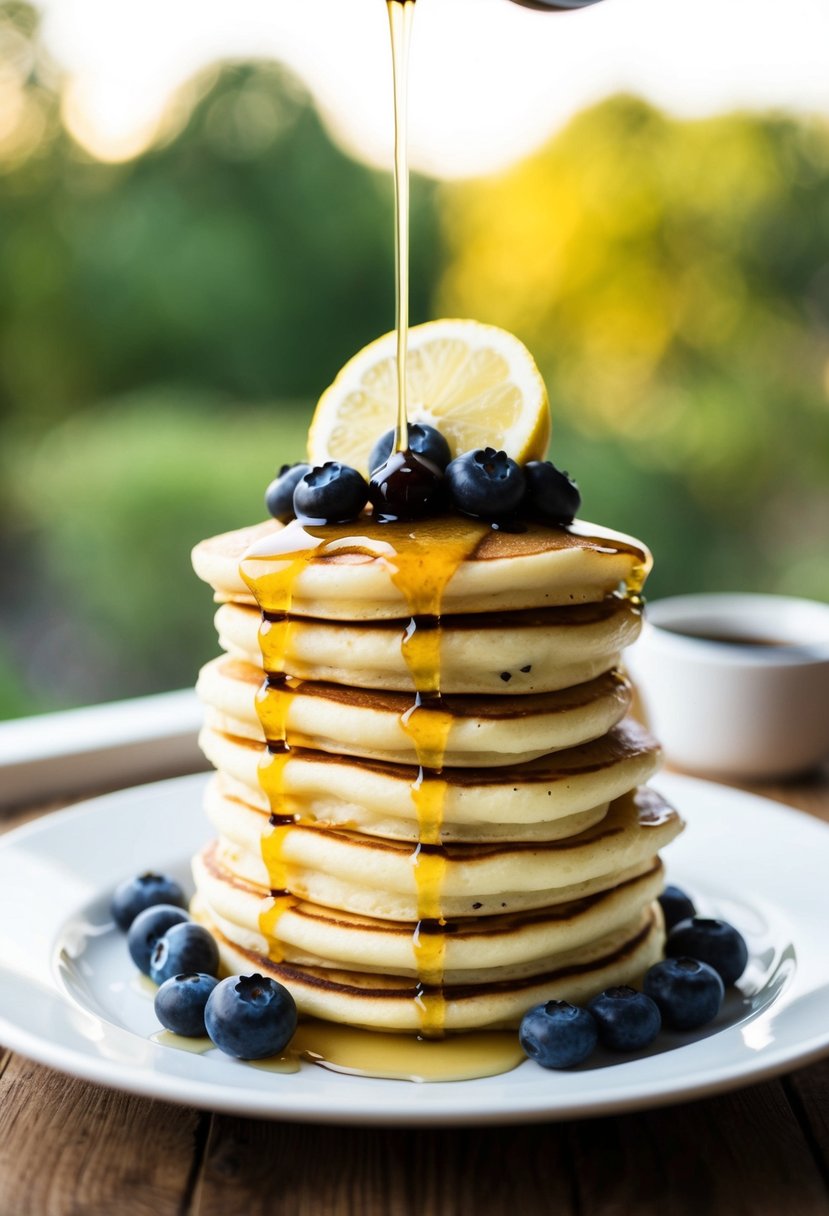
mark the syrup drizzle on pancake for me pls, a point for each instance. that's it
(421, 571)
(420, 562)
(422, 575)
(272, 846)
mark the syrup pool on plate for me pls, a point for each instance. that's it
(393, 1057)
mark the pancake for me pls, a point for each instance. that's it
(383, 878)
(331, 891)
(378, 725)
(509, 969)
(473, 948)
(538, 650)
(333, 789)
(374, 571)
(353, 817)
(390, 1003)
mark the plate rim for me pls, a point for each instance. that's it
(392, 1108)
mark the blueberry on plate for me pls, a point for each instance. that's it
(689, 993)
(133, 895)
(676, 906)
(714, 942)
(183, 948)
(485, 483)
(558, 1034)
(180, 1001)
(627, 1020)
(279, 496)
(250, 1016)
(147, 928)
(551, 493)
(331, 493)
(424, 440)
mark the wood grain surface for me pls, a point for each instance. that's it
(70, 1148)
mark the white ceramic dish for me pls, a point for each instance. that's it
(69, 999)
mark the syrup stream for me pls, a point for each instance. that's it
(400, 27)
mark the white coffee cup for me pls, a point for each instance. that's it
(754, 703)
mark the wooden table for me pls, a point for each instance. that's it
(69, 1147)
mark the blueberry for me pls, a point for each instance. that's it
(676, 906)
(551, 493)
(689, 993)
(183, 948)
(279, 496)
(558, 1034)
(180, 1001)
(331, 493)
(133, 895)
(713, 942)
(147, 928)
(424, 440)
(407, 486)
(628, 1020)
(485, 483)
(250, 1016)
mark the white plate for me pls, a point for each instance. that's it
(68, 995)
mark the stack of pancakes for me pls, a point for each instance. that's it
(430, 804)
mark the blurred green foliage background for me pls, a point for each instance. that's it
(167, 324)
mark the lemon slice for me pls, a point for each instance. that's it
(476, 383)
